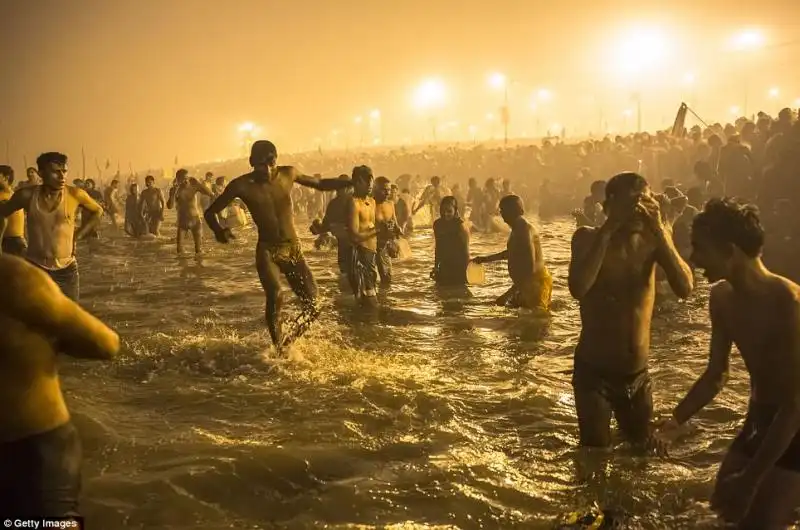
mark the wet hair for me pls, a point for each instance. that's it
(133, 185)
(381, 181)
(727, 221)
(91, 181)
(449, 201)
(625, 183)
(115, 181)
(182, 173)
(344, 176)
(8, 173)
(436, 181)
(31, 169)
(45, 159)
(512, 204)
(209, 173)
(362, 172)
(263, 152)
(219, 180)
(149, 177)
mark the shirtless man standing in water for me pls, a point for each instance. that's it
(388, 229)
(532, 284)
(363, 238)
(51, 210)
(40, 449)
(183, 197)
(266, 192)
(612, 275)
(151, 205)
(758, 484)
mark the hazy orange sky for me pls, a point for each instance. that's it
(142, 81)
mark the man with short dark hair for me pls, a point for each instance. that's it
(14, 236)
(532, 284)
(612, 275)
(266, 192)
(151, 205)
(51, 209)
(363, 238)
(183, 197)
(758, 484)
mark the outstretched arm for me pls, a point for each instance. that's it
(322, 184)
(713, 379)
(36, 300)
(230, 194)
(92, 208)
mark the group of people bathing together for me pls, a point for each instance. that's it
(611, 274)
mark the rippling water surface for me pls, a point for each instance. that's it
(441, 411)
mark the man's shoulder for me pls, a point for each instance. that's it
(584, 233)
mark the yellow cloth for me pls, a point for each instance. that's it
(537, 293)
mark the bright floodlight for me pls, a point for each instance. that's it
(774, 92)
(490, 116)
(247, 127)
(689, 78)
(357, 120)
(544, 95)
(640, 50)
(750, 39)
(473, 129)
(375, 114)
(430, 94)
(497, 80)
(627, 113)
(556, 128)
(735, 111)
(796, 103)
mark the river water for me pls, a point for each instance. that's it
(441, 411)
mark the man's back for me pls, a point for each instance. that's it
(764, 326)
(36, 318)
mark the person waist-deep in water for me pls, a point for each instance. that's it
(532, 284)
(612, 275)
(40, 450)
(451, 245)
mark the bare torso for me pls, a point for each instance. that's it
(29, 385)
(365, 210)
(617, 311)
(151, 198)
(763, 338)
(521, 267)
(270, 203)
